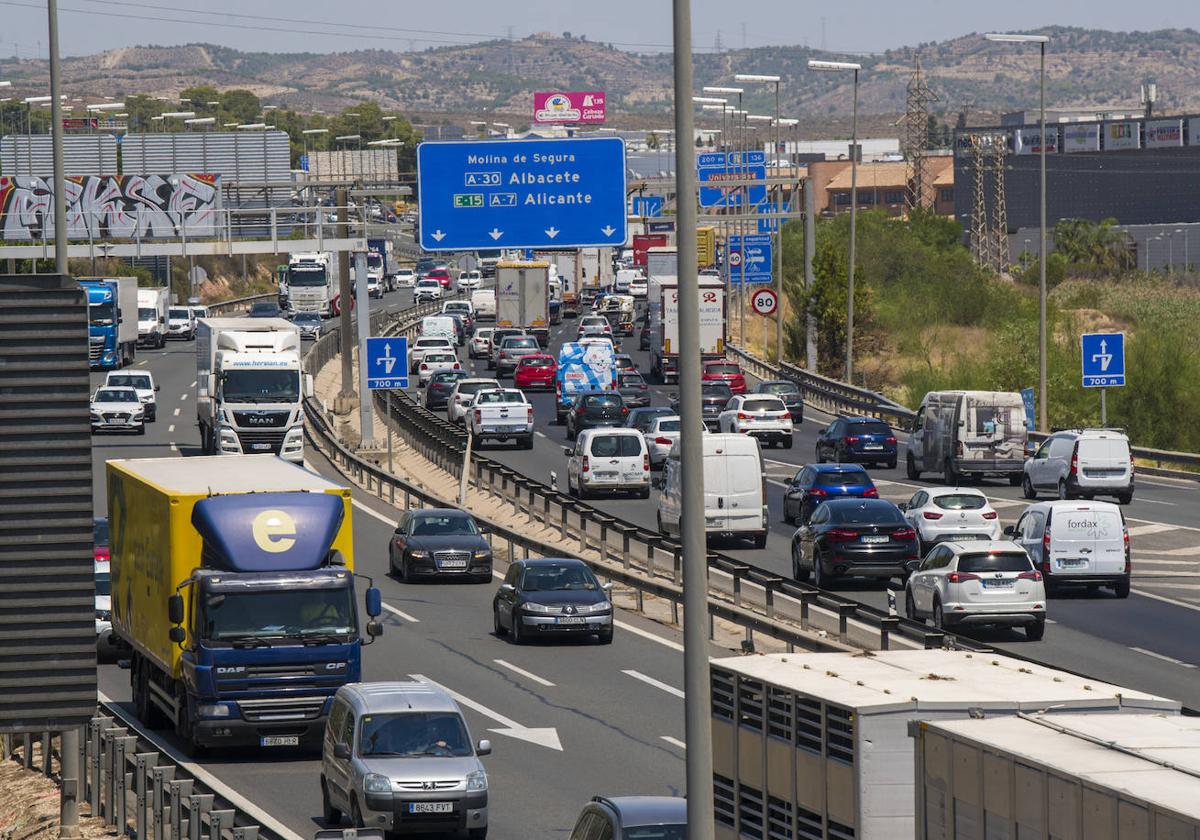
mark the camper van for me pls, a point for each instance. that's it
(969, 433)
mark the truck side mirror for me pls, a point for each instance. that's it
(175, 609)
(374, 629)
(177, 635)
(374, 602)
(308, 385)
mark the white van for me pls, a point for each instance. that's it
(1076, 542)
(439, 326)
(608, 459)
(968, 434)
(625, 276)
(735, 490)
(1081, 462)
(484, 303)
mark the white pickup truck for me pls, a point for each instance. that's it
(501, 414)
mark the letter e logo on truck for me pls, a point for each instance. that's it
(274, 531)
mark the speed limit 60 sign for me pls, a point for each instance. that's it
(764, 301)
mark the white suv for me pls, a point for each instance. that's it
(1081, 462)
(939, 514)
(461, 395)
(480, 345)
(978, 583)
(760, 415)
(427, 344)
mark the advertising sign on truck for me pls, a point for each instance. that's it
(664, 360)
(112, 320)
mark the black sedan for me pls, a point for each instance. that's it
(595, 409)
(862, 537)
(713, 398)
(633, 389)
(789, 392)
(264, 309)
(437, 393)
(439, 542)
(545, 596)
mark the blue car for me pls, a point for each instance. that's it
(857, 440)
(818, 482)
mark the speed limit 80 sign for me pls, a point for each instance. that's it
(764, 301)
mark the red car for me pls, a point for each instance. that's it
(536, 371)
(440, 275)
(728, 372)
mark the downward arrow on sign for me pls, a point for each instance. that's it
(552, 231)
(437, 235)
(608, 230)
(495, 233)
(543, 737)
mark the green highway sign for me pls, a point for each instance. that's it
(468, 200)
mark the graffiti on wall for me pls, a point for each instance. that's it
(111, 207)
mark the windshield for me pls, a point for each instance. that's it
(603, 401)
(103, 583)
(866, 513)
(656, 832)
(307, 276)
(721, 390)
(722, 370)
(632, 380)
(283, 613)
(501, 397)
(111, 395)
(537, 361)
(960, 501)
(253, 386)
(763, 404)
(124, 380)
(1012, 561)
(868, 429)
(300, 317)
(519, 342)
(779, 388)
(179, 314)
(840, 477)
(472, 387)
(559, 577)
(102, 314)
(147, 313)
(443, 525)
(436, 734)
(374, 260)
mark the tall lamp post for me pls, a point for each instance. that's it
(739, 135)
(713, 103)
(841, 67)
(1041, 41)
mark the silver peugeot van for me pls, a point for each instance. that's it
(398, 756)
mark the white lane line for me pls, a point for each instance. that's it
(1142, 530)
(1173, 601)
(193, 385)
(401, 614)
(662, 686)
(183, 397)
(391, 522)
(176, 412)
(1164, 657)
(171, 428)
(203, 776)
(528, 675)
(174, 448)
(675, 742)
(541, 435)
(646, 634)
(1157, 502)
(139, 364)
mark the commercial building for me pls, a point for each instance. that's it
(882, 185)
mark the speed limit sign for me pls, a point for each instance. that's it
(735, 258)
(765, 301)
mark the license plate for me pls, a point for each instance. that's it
(491, 428)
(999, 584)
(873, 446)
(870, 538)
(430, 807)
(570, 619)
(632, 476)
(116, 422)
(606, 476)
(452, 564)
(279, 741)
(1072, 562)
(260, 447)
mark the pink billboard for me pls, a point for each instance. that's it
(576, 107)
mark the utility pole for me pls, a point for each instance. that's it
(810, 250)
(344, 403)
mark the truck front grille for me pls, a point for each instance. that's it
(95, 351)
(260, 442)
(282, 709)
(261, 419)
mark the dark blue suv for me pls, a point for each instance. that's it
(851, 440)
(818, 482)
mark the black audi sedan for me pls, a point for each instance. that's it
(545, 596)
(441, 543)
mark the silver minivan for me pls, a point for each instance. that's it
(398, 757)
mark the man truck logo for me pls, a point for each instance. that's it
(260, 420)
(274, 531)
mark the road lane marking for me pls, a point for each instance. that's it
(193, 385)
(391, 522)
(1164, 657)
(662, 686)
(176, 413)
(1142, 530)
(401, 614)
(1157, 502)
(182, 398)
(546, 737)
(675, 742)
(174, 448)
(170, 428)
(524, 673)
(646, 634)
(1166, 600)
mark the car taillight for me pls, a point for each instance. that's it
(1031, 575)
(871, 493)
(1125, 534)
(931, 514)
(905, 534)
(1046, 545)
(1075, 460)
(991, 514)
(646, 462)
(744, 416)
(529, 413)
(624, 409)
(424, 366)
(891, 440)
(478, 416)
(662, 441)
(586, 464)
(961, 577)
(817, 491)
(851, 439)
(456, 366)
(100, 553)
(839, 535)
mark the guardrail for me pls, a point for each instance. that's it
(134, 788)
(836, 397)
(230, 307)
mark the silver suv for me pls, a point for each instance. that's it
(398, 757)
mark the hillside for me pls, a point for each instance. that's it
(1085, 67)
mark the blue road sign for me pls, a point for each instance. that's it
(714, 167)
(767, 225)
(648, 205)
(1103, 359)
(1030, 401)
(485, 194)
(757, 253)
(387, 363)
(303, 163)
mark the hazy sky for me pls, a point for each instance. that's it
(869, 26)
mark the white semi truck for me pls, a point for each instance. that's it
(312, 279)
(250, 388)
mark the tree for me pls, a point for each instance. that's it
(1093, 247)
(198, 97)
(241, 105)
(651, 140)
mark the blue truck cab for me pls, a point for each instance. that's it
(112, 321)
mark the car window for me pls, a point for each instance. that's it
(714, 389)
(442, 525)
(677, 831)
(337, 717)
(936, 559)
(519, 341)
(536, 361)
(631, 380)
(865, 513)
(346, 735)
(840, 477)
(602, 401)
(918, 499)
(869, 428)
(778, 388)
(1043, 451)
(555, 577)
(668, 426)
(763, 404)
(125, 380)
(616, 446)
(1033, 525)
(1008, 561)
(513, 575)
(820, 516)
(474, 387)
(959, 501)
(722, 369)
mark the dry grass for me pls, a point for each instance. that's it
(29, 804)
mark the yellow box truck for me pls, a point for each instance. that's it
(233, 588)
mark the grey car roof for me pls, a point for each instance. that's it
(648, 810)
(395, 697)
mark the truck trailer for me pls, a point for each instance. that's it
(233, 589)
(523, 297)
(112, 321)
(664, 348)
(250, 387)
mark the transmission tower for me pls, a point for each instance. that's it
(999, 225)
(980, 238)
(916, 139)
(989, 231)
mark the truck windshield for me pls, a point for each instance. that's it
(308, 276)
(250, 386)
(374, 260)
(289, 612)
(102, 314)
(147, 313)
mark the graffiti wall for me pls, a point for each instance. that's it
(112, 207)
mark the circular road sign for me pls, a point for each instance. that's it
(765, 301)
(735, 258)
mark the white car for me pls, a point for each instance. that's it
(469, 280)
(501, 414)
(1081, 463)
(181, 323)
(1076, 543)
(140, 381)
(406, 277)
(612, 459)
(432, 362)
(760, 415)
(594, 325)
(461, 395)
(638, 287)
(427, 344)
(117, 410)
(480, 345)
(661, 435)
(939, 514)
(978, 583)
(375, 288)
(427, 290)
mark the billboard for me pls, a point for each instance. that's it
(1081, 137)
(568, 107)
(643, 242)
(1121, 135)
(1028, 141)
(1161, 134)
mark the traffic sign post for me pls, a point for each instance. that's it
(485, 194)
(1103, 357)
(648, 206)
(756, 255)
(387, 363)
(764, 302)
(714, 167)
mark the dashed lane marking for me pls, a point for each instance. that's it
(661, 686)
(675, 742)
(170, 428)
(401, 614)
(176, 413)
(527, 674)
(1163, 657)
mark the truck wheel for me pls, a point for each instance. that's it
(948, 472)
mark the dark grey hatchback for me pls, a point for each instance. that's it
(595, 409)
(551, 596)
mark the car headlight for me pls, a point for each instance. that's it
(210, 710)
(603, 606)
(376, 783)
(529, 606)
(482, 555)
(418, 555)
(138, 413)
(477, 780)
(95, 415)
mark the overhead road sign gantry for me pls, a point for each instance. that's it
(387, 363)
(1103, 359)
(483, 194)
(712, 168)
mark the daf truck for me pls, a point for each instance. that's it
(112, 321)
(312, 280)
(250, 388)
(664, 352)
(152, 305)
(523, 297)
(233, 589)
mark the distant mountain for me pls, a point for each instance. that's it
(1084, 67)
